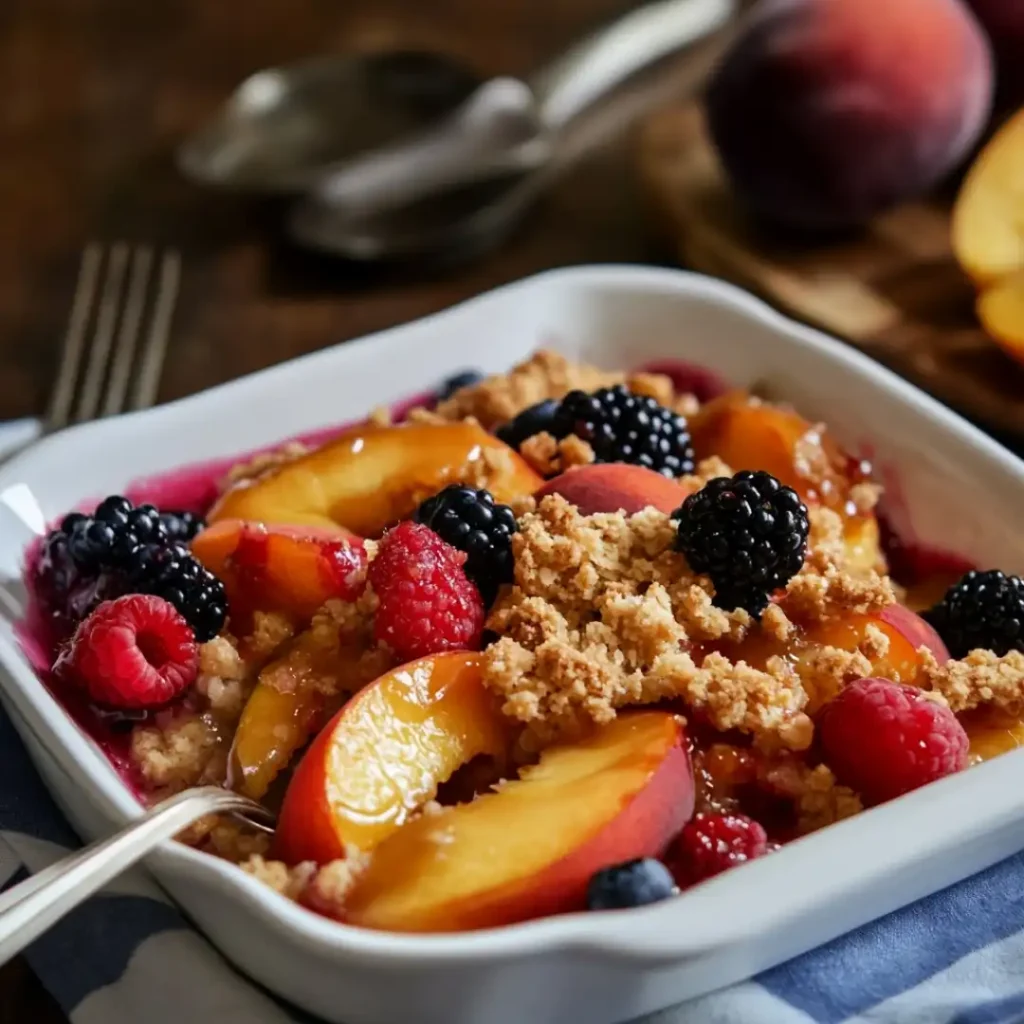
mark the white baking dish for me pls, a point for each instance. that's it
(960, 490)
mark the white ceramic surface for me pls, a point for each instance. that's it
(600, 968)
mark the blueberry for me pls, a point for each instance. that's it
(534, 420)
(460, 380)
(632, 884)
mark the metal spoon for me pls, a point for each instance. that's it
(510, 126)
(35, 905)
(487, 197)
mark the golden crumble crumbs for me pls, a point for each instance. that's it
(597, 620)
(864, 496)
(550, 457)
(263, 462)
(825, 670)
(818, 798)
(271, 630)
(336, 655)
(544, 375)
(178, 755)
(817, 595)
(290, 882)
(825, 541)
(222, 678)
(983, 677)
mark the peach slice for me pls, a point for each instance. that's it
(992, 732)
(282, 568)
(385, 753)
(1001, 312)
(905, 631)
(372, 476)
(988, 217)
(747, 433)
(530, 848)
(278, 720)
(615, 486)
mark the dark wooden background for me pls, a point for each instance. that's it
(95, 94)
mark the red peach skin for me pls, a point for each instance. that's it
(384, 755)
(282, 568)
(615, 486)
(529, 849)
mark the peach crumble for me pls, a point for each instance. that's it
(563, 638)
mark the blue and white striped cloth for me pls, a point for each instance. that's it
(128, 955)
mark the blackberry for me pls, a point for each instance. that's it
(181, 526)
(623, 427)
(633, 884)
(459, 380)
(748, 533)
(123, 548)
(534, 420)
(172, 573)
(473, 522)
(982, 609)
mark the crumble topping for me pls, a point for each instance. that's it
(180, 754)
(323, 889)
(290, 882)
(550, 457)
(983, 677)
(544, 375)
(264, 462)
(817, 797)
(598, 618)
(815, 595)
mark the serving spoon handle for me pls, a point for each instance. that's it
(30, 908)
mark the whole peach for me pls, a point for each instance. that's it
(1003, 20)
(825, 112)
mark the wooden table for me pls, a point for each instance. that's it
(95, 95)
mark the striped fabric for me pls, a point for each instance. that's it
(954, 958)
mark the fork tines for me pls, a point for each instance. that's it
(118, 298)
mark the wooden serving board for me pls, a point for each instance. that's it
(895, 290)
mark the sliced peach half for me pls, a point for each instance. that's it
(529, 849)
(988, 217)
(282, 568)
(370, 477)
(287, 706)
(1001, 312)
(385, 753)
(747, 433)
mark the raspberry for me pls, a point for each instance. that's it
(884, 739)
(427, 604)
(712, 843)
(134, 652)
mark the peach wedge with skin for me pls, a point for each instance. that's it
(529, 849)
(372, 476)
(988, 216)
(384, 755)
(1001, 312)
(282, 568)
(614, 487)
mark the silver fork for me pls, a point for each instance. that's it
(118, 298)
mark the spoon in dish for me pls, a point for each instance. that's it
(32, 907)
